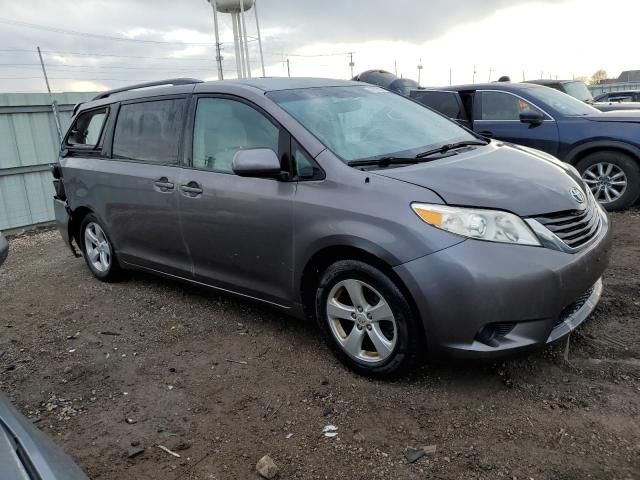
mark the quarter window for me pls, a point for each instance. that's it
(222, 127)
(504, 106)
(306, 167)
(149, 131)
(87, 129)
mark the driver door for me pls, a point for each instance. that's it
(238, 230)
(497, 115)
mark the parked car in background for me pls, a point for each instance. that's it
(398, 230)
(387, 80)
(579, 90)
(25, 452)
(604, 147)
(622, 96)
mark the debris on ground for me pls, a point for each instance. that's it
(165, 449)
(133, 452)
(267, 468)
(330, 431)
(240, 362)
(414, 454)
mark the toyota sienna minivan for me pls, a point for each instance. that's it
(399, 231)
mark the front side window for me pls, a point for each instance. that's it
(222, 127)
(149, 131)
(87, 129)
(368, 122)
(500, 106)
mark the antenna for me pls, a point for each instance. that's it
(351, 64)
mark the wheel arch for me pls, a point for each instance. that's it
(581, 151)
(75, 221)
(321, 259)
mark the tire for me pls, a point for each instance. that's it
(105, 265)
(398, 338)
(607, 170)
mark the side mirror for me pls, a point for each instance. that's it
(257, 162)
(532, 118)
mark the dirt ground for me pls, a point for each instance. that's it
(222, 382)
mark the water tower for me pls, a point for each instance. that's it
(237, 10)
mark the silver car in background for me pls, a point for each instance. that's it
(25, 452)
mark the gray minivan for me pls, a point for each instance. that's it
(398, 230)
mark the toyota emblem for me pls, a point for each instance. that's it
(577, 195)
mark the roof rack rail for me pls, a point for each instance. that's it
(171, 81)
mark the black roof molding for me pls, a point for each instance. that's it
(171, 81)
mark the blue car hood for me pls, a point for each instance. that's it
(629, 116)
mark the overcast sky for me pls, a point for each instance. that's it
(163, 39)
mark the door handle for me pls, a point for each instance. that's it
(164, 185)
(486, 133)
(191, 189)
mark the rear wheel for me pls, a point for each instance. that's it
(366, 319)
(613, 177)
(98, 250)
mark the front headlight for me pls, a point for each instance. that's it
(489, 225)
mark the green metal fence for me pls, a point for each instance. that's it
(28, 146)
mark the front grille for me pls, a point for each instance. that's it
(572, 308)
(574, 227)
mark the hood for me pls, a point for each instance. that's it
(498, 176)
(632, 116)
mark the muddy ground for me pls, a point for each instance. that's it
(223, 382)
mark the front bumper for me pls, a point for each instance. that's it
(483, 299)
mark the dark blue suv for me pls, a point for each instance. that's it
(604, 147)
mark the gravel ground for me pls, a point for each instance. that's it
(147, 362)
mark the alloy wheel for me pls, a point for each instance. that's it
(361, 321)
(97, 247)
(607, 181)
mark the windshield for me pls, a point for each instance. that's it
(561, 102)
(367, 122)
(578, 90)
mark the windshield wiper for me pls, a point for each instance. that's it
(450, 146)
(384, 161)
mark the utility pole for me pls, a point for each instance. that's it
(395, 66)
(218, 56)
(474, 74)
(288, 69)
(490, 72)
(255, 10)
(450, 77)
(523, 75)
(419, 71)
(351, 64)
(54, 108)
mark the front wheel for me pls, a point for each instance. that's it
(613, 177)
(98, 250)
(366, 319)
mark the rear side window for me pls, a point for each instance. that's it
(149, 131)
(87, 129)
(447, 103)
